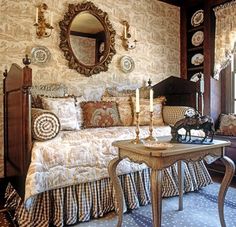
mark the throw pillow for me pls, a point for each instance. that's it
(172, 114)
(124, 108)
(45, 124)
(65, 110)
(144, 114)
(48, 90)
(79, 113)
(115, 92)
(227, 125)
(100, 114)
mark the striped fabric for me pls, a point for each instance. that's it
(79, 203)
(45, 124)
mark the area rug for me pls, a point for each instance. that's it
(200, 210)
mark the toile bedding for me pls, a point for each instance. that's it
(67, 180)
(76, 176)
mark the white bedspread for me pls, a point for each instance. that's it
(75, 157)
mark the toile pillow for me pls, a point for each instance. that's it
(48, 90)
(79, 113)
(115, 92)
(144, 114)
(227, 125)
(124, 108)
(65, 110)
(100, 114)
(45, 124)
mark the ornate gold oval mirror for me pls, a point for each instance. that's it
(87, 38)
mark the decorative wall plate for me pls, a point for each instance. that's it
(197, 18)
(197, 38)
(127, 64)
(197, 59)
(40, 55)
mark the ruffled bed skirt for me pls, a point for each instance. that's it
(79, 203)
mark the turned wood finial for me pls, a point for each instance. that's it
(26, 60)
(149, 82)
(5, 73)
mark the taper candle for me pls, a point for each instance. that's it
(137, 101)
(37, 15)
(151, 100)
(125, 32)
(51, 18)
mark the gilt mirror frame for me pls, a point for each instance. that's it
(65, 24)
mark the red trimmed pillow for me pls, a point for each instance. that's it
(100, 114)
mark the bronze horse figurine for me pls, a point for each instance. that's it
(197, 122)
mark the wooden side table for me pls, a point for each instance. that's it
(160, 159)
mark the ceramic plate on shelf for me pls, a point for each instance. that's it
(195, 77)
(157, 145)
(101, 47)
(40, 55)
(197, 38)
(127, 64)
(197, 59)
(197, 18)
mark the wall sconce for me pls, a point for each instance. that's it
(126, 42)
(43, 28)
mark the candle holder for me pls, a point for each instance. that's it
(150, 137)
(137, 131)
(43, 28)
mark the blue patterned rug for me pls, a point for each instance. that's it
(200, 210)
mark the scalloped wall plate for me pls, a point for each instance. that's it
(40, 55)
(127, 64)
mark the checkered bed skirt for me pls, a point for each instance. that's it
(79, 203)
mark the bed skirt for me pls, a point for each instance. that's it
(80, 203)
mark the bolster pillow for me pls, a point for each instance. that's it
(45, 124)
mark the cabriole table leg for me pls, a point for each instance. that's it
(229, 172)
(117, 187)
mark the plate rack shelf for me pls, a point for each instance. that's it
(195, 41)
(212, 88)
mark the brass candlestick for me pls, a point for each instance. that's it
(137, 140)
(150, 137)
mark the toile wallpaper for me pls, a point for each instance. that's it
(156, 56)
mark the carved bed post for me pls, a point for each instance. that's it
(17, 123)
(5, 132)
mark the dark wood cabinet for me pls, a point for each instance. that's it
(212, 87)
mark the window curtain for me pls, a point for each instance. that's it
(225, 36)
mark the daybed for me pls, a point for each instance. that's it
(65, 180)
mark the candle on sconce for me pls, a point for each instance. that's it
(51, 18)
(151, 100)
(135, 33)
(125, 32)
(37, 15)
(137, 101)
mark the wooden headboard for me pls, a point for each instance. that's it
(178, 91)
(17, 116)
(17, 123)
